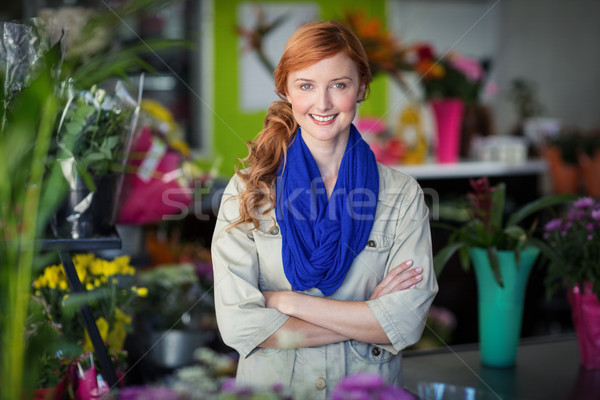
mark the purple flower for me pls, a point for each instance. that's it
(368, 387)
(148, 393)
(590, 227)
(596, 215)
(590, 237)
(554, 225)
(584, 202)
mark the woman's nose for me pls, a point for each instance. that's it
(323, 101)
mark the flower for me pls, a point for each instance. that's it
(385, 52)
(574, 244)
(450, 76)
(486, 227)
(364, 386)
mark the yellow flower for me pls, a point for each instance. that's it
(102, 328)
(142, 292)
(116, 336)
(157, 110)
(180, 146)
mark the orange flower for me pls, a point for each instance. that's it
(430, 69)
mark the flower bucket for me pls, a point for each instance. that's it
(585, 310)
(565, 177)
(84, 214)
(500, 309)
(448, 115)
(590, 171)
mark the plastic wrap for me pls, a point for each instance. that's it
(92, 144)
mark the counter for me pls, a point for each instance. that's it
(547, 368)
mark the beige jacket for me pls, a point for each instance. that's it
(247, 262)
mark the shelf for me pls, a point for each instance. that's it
(472, 169)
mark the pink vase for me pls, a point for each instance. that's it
(448, 115)
(585, 310)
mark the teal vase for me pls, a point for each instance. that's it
(500, 309)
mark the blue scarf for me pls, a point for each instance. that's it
(321, 237)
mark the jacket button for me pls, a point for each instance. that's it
(376, 351)
(372, 243)
(320, 383)
(275, 231)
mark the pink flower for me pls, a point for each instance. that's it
(553, 225)
(370, 126)
(584, 202)
(468, 66)
(596, 215)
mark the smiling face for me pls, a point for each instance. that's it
(323, 98)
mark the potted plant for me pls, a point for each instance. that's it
(452, 84)
(573, 157)
(574, 244)
(502, 254)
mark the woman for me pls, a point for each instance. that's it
(322, 257)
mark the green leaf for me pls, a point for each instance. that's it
(540, 204)
(492, 253)
(497, 212)
(110, 142)
(441, 258)
(96, 156)
(516, 232)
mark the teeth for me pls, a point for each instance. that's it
(323, 119)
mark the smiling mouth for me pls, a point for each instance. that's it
(323, 119)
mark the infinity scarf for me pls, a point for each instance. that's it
(321, 238)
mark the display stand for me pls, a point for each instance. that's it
(64, 247)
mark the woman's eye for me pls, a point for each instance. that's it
(306, 86)
(339, 85)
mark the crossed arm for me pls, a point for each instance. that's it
(316, 321)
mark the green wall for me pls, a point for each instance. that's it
(232, 128)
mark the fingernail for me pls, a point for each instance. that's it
(419, 277)
(419, 269)
(413, 287)
(409, 263)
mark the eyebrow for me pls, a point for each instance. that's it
(332, 80)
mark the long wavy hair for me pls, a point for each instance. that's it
(308, 45)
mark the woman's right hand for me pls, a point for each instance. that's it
(399, 278)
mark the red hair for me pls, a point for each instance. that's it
(308, 45)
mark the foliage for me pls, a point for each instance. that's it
(92, 55)
(487, 229)
(574, 143)
(450, 76)
(93, 133)
(178, 298)
(524, 97)
(574, 243)
(29, 109)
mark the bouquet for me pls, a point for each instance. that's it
(110, 294)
